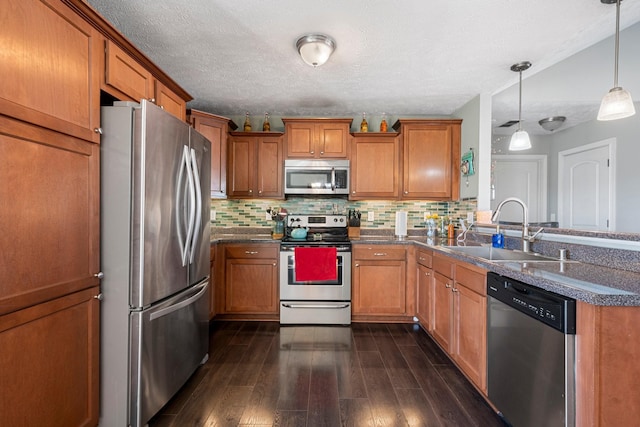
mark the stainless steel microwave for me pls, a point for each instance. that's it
(316, 177)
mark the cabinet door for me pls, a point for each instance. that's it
(127, 75)
(375, 163)
(214, 128)
(379, 287)
(471, 336)
(442, 311)
(50, 228)
(425, 296)
(301, 140)
(49, 363)
(242, 167)
(251, 286)
(170, 101)
(270, 168)
(212, 281)
(50, 67)
(332, 140)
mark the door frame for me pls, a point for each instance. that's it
(541, 160)
(610, 143)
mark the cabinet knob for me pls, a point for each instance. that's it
(427, 274)
(259, 191)
(322, 152)
(357, 265)
(274, 264)
(406, 192)
(99, 297)
(250, 191)
(454, 290)
(152, 100)
(353, 192)
(98, 130)
(448, 286)
(312, 152)
(99, 275)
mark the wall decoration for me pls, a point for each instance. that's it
(467, 167)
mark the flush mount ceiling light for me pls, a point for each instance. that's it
(617, 103)
(315, 49)
(552, 123)
(520, 139)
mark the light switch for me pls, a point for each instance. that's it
(370, 216)
(213, 215)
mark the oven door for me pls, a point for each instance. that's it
(331, 290)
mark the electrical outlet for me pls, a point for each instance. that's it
(470, 217)
(370, 216)
(267, 216)
(213, 215)
(426, 215)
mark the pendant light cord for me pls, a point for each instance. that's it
(615, 68)
(520, 103)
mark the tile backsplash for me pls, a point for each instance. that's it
(251, 212)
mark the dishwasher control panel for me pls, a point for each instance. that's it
(555, 310)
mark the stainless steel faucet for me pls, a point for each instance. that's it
(526, 238)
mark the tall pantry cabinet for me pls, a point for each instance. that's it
(53, 71)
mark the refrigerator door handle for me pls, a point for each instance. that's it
(179, 203)
(185, 163)
(174, 307)
(198, 210)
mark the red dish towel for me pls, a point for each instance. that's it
(315, 264)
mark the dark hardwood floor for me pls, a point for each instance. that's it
(264, 374)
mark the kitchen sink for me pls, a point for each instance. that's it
(498, 254)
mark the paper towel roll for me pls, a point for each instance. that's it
(401, 224)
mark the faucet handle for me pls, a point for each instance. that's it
(532, 237)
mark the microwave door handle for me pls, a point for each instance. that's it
(333, 179)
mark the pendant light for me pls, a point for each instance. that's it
(617, 103)
(520, 139)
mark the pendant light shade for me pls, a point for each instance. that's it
(315, 49)
(617, 103)
(520, 139)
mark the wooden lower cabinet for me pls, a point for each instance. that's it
(49, 363)
(460, 315)
(379, 284)
(607, 368)
(424, 292)
(250, 279)
(212, 281)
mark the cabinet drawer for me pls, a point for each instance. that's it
(379, 252)
(444, 265)
(424, 258)
(252, 251)
(472, 278)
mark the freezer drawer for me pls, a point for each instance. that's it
(168, 342)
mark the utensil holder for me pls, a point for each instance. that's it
(353, 232)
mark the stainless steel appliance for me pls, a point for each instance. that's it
(316, 177)
(531, 353)
(316, 301)
(155, 239)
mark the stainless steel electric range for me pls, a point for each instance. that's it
(315, 288)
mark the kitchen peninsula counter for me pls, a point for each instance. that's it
(593, 284)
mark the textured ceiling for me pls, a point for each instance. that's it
(408, 57)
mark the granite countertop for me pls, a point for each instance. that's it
(590, 283)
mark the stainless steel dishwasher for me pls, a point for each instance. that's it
(531, 353)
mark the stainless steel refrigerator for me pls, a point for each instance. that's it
(155, 240)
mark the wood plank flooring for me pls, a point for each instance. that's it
(264, 374)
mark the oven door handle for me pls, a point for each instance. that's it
(341, 306)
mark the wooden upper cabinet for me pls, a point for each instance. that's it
(49, 68)
(127, 75)
(430, 158)
(170, 101)
(215, 129)
(126, 78)
(375, 166)
(317, 138)
(255, 165)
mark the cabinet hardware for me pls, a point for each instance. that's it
(98, 130)
(99, 275)
(379, 254)
(312, 152)
(99, 297)
(152, 100)
(357, 265)
(322, 153)
(454, 290)
(251, 252)
(448, 286)
(427, 274)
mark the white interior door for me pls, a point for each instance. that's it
(524, 177)
(586, 186)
